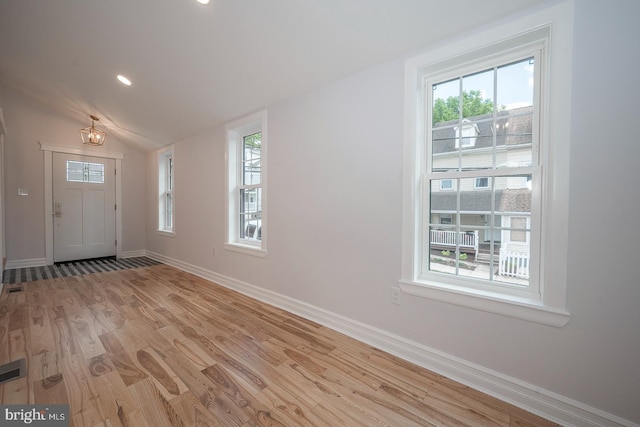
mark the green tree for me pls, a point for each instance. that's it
(473, 104)
(253, 140)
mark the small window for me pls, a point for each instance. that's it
(446, 184)
(518, 229)
(467, 132)
(482, 182)
(85, 172)
(446, 219)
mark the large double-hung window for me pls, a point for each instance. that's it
(482, 126)
(481, 177)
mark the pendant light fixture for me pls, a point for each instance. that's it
(92, 135)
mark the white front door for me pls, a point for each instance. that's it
(84, 220)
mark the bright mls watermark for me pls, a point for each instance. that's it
(36, 415)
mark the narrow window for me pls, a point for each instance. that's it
(246, 165)
(250, 189)
(166, 199)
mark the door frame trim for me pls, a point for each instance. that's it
(48, 150)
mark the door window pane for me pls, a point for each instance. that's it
(85, 172)
(75, 171)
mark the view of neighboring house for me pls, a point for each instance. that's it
(491, 216)
(251, 198)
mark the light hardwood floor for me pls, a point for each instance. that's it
(156, 346)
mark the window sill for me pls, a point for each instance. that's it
(519, 308)
(166, 233)
(246, 249)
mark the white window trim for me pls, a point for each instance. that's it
(549, 307)
(163, 155)
(235, 131)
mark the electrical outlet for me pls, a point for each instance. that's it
(213, 252)
(395, 295)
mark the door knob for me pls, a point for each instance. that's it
(58, 210)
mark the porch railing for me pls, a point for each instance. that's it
(514, 264)
(467, 240)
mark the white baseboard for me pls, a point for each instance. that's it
(133, 254)
(24, 263)
(544, 403)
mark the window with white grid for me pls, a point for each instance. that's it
(481, 124)
(481, 175)
(166, 196)
(246, 165)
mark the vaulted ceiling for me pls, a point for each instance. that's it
(194, 66)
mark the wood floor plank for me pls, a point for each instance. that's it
(156, 346)
(127, 368)
(82, 328)
(51, 390)
(63, 337)
(155, 408)
(350, 396)
(82, 394)
(107, 316)
(4, 340)
(186, 347)
(40, 330)
(216, 353)
(19, 317)
(18, 345)
(44, 365)
(286, 409)
(115, 401)
(137, 334)
(192, 411)
(18, 392)
(167, 381)
(206, 391)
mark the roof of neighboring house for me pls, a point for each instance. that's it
(515, 200)
(508, 200)
(512, 127)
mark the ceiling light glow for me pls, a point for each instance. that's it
(124, 80)
(203, 1)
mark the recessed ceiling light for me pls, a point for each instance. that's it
(124, 80)
(203, 1)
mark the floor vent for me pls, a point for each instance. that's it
(12, 370)
(15, 289)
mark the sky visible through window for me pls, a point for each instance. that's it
(515, 85)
